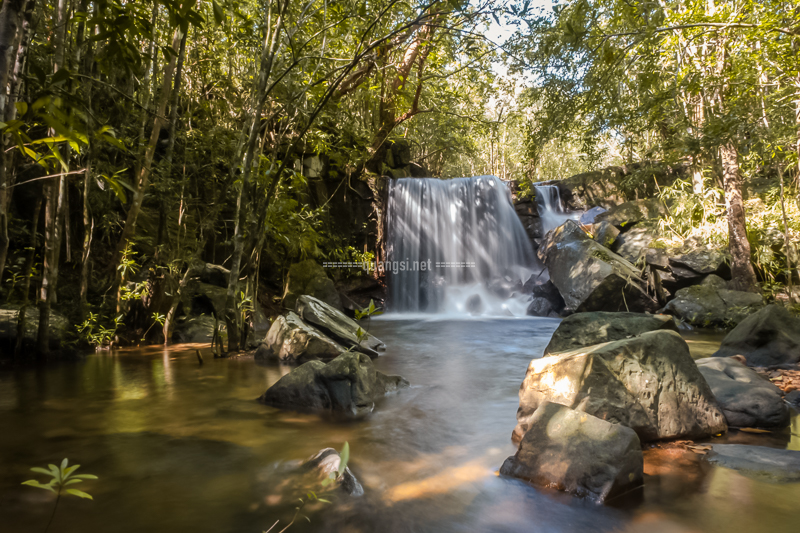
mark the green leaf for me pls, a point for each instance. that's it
(72, 482)
(84, 476)
(40, 470)
(344, 456)
(34, 483)
(219, 14)
(79, 494)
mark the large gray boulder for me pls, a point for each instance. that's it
(633, 244)
(578, 453)
(195, 329)
(649, 383)
(9, 314)
(702, 262)
(707, 306)
(771, 465)
(347, 386)
(290, 340)
(308, 277)
(770, 337)
(337, 326)
(746, 398)
(591, 277)
(605, 234)
(586, 329)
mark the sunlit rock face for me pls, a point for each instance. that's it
(578, 453)
(450, 240)
(290, 340)
(649, 383)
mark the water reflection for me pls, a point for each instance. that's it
(184, 447)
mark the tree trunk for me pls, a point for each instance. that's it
(742, 273)
(26, 272)
(9, 23)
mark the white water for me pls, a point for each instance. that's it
(551, 208)
(467, 221)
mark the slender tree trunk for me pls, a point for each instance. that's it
(9, 23)
(88, 221)
(742, 273)
(54, 210)
(242, 205)
(788, 247)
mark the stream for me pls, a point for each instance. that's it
(183, 447)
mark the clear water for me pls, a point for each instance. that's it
(456, 247)
(181, 447)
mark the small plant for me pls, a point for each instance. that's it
(94, 333)
(61, 477)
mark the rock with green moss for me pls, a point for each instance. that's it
(58, 326)
(707, 306)
(308, 277)
(290, 340)
(337, 326)
(626, 214)
(770, 337)
(587, 329)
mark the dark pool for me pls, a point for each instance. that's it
(182, 447)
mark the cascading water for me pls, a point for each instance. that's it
(456, 246)
(551, 209)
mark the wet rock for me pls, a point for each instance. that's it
(746, 398)
(545, 300)
(770, 465)
(589, 215)
(308, 277)
(9, 313)
(589, 276)
(290, 340)
(770, 337)
(504, 287)
(578, 453)
(627, 214)
(325, 463)
(474, 304)
(793, 399)
(348, 386)
(706, 306)
(337, 326)
(587, 329)
(649, 383)
(605, 234)
(633, 244)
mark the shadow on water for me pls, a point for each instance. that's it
(182, 447)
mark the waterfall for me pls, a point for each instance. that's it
(456, 246)
(551, 209)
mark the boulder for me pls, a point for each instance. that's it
(323, 464)
(348, 386)
(793, 399)
(657, 258)
(746, 398)
(545, 300)
(337, 326)
(589, 276)
(308, 277)
(605, 234)
(290, 340)
(627, 214)
(706, 306)
(649, 383)
(633, 244)
(771, 465)
(770, 337)
(587, 329)
(578, 453)
(703, 262)
(474, 305)
(9, 313)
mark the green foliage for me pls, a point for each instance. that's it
(93, 332)
(60, 477)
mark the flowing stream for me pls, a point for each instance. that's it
(183, 447)
(551, 208)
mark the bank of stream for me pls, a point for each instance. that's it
(185, 447)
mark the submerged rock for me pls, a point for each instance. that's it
(649, 383)
(706, 306)
(591, 277)
(308, 277)
(746, 398)
(771, 465)
(770, 337)
(578, 453)
(326, 462)
(586, 329)
(290, 340)
(337, 326)
(349, 385)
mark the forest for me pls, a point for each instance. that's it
(278, 265)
